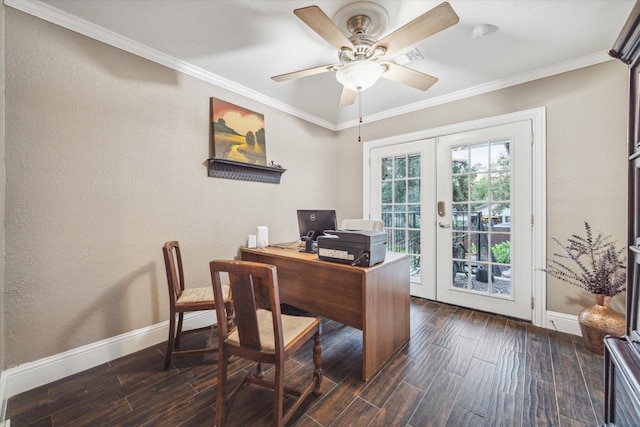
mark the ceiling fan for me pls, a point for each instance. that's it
(363, 59)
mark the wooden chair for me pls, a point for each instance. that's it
(183, 300)
(262, 334)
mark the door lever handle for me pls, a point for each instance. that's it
(443, 225)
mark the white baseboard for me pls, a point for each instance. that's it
(28, 376)
(562, 322)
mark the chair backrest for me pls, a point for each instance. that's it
(173, 265)
(253, 286)
(362, 225)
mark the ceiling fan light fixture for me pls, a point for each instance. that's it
(359, 75)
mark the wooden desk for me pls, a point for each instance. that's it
(373, 299)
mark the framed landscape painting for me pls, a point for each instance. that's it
(238, 133)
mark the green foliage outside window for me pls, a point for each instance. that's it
(502, 252)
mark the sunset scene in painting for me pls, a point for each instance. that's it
(238, 133)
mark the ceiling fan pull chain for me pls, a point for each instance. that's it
(359, 113)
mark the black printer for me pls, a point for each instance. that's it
(363, 248)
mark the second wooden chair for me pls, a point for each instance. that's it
(262, 334)
(183, 300)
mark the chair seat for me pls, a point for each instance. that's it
(292, 327)
(195, 295)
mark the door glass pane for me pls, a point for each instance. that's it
(479, 154)
(479, 244)
(460, 184)
(500, 158)
(500, 186)
(387, 169)
(414, 166)
(414, 250)
(400, 167)
(401, 200)
(387, 191)
(460, 160)
(479, 187)
(459, 217)
(400, 240)
(481, 216)
(387, 216)
(413, 216)
(400, 216)
(400, 191)
(501, 216)
(413, 190)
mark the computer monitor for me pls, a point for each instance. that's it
(313, 223)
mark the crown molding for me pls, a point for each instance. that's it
(51, 14)
(56, 16)
(526, 77)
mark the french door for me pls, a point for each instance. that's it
(484, 219)
(460, 206)
(403, 187)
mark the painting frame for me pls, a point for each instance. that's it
(237, 133)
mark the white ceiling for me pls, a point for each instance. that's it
(240, 44)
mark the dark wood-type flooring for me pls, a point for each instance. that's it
(460, 368)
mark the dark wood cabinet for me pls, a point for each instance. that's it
(622, 354)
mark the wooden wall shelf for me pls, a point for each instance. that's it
(221, 168)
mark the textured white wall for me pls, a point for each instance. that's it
(586, 154)
(106, 160)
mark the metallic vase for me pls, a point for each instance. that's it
(598, 321)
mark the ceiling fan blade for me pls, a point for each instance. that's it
(425, 25)
(319, 22)
(303, 73)
(348, 97)
(408, 77)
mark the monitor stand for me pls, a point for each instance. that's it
(308, 245)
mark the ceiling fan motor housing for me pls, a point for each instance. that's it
(363, 42)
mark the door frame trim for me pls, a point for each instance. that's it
(537, 116)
